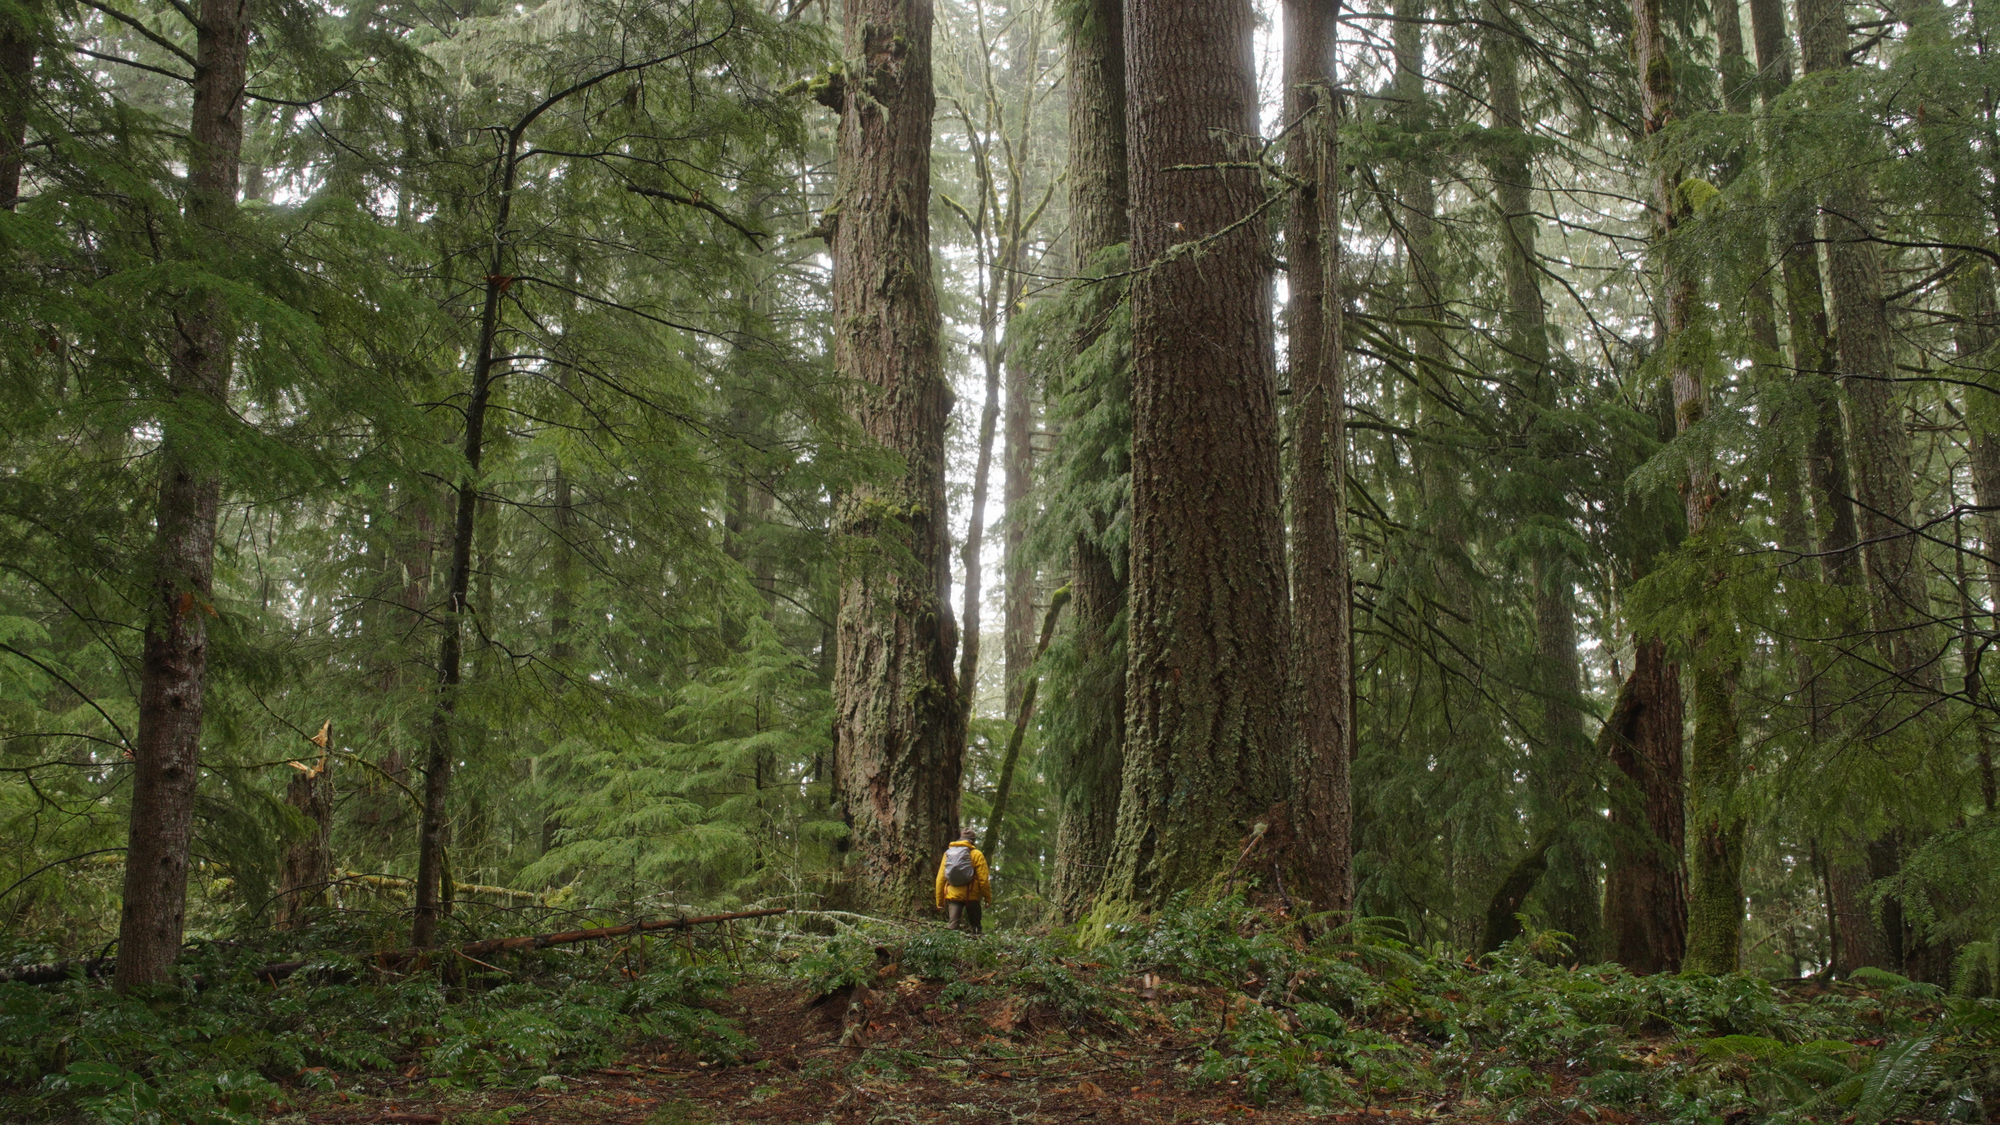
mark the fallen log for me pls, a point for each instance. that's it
(62, 970)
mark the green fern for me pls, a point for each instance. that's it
(1899, 1075)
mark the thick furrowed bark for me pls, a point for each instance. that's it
(899, 746)
(1210, 626)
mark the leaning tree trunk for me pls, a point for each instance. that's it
(1210, 625)
(174, 667)
(1715, 909)
(899, 747)
(1322, 807)
(1087, 816)
(1645, 888)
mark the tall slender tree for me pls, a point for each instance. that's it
(1323, 705)
(1715, 915)
(173, 673)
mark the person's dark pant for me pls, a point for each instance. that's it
(963, 915)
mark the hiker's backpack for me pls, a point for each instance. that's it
(958, 867)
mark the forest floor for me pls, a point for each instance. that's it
(1219, 1012)
(895, 1054)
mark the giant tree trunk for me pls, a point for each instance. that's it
(174, 668)
(1715, 912)
(1322, 807)
(1210, 625)
(899, 747)
(1087, 817)
(1645, 890)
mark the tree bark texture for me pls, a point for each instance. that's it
(1323, 704)
(174, 665)
(1715, 913)
(899, 747)
(1210, 625)
(1087, 814)
(1645, 888)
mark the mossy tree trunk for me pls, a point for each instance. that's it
(1087, 816)
(899, 744)
(1715, 909)
(1207, 733)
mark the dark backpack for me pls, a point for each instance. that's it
(959, 869)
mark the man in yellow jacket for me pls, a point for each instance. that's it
(962, 884)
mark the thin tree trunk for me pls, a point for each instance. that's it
(1879, 450)
(1974, 337)
(899, 749)
(1811, 340)
(18, 37)
(1088, 789)
(1003, 792)
(1565, 769)
(975, 533)
(1018, 604)
(441, 748)
(1207, 730)
(1715, 911)
(1323, 701)
(174, 668)
(1877, 442)
(1645, 890)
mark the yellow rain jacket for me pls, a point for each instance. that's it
(976, 891)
